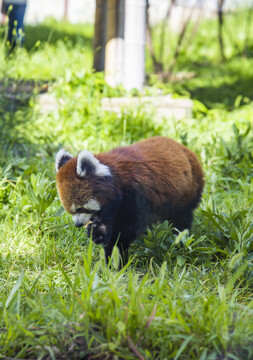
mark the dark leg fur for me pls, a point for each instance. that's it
(183, 220)
(124, 229)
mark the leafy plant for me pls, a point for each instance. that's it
(239, 154)
(41, 192)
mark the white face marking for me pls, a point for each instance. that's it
(81, 219)
(73, 208)
(100, 169)
(92, 205)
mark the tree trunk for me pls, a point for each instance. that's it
(100, 35)
(220, 25)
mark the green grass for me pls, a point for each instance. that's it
(185, 296)
(52, 49)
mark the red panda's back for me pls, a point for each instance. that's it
(160, 167)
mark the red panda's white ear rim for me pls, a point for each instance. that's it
(87, 164)
(62, 158)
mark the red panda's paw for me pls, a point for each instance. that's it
(97, 231)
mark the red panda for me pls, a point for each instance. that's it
(122, 191)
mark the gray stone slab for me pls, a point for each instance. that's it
(162, 105)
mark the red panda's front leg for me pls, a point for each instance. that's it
(101, 227)
(101, 233)
(124, 229)
(115, 224)
(100, 230)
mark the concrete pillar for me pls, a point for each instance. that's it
(99, 40)
(114, 50)
(135, 31)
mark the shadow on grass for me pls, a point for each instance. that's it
(23, 147)
(218, 85)
(51, 33)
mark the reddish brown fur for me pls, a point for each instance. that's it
(160, 167)
(74, 189)
(70, 187)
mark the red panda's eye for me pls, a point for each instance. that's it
(89, 211)
(84, 211)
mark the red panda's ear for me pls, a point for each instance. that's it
(87, 164)
(62, 158)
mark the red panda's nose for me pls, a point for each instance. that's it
(78, 224)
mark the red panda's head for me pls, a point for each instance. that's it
(83, 184)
